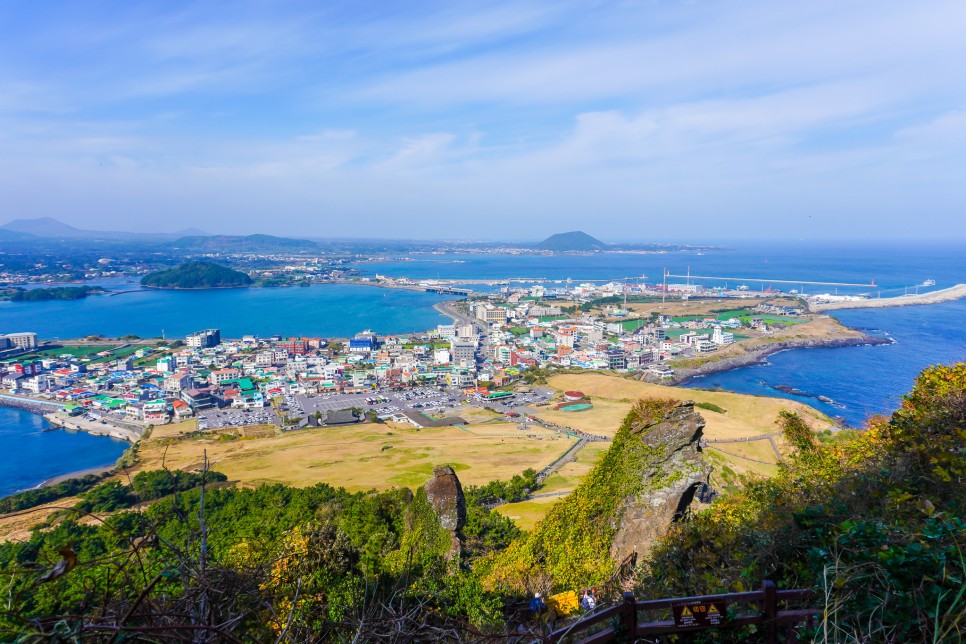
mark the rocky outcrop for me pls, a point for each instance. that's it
(445, 494)
(759, 355)
(674, 471)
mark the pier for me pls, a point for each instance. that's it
(936, 297)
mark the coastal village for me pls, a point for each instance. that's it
(496, 346)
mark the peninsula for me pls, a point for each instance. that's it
(196, 275)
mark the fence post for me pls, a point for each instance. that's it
(629, 616)
(770, 608)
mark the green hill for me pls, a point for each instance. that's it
(244, 244)
(575, 240)
(197, 275)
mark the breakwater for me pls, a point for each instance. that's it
(936, 297)
(38, 407)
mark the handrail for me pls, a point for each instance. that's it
(626, 612)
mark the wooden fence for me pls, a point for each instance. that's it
(691, 614)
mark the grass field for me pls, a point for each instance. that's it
(360, 457)
(75, 351)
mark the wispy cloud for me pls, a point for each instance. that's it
(723, 113)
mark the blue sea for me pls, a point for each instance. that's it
(324, 310)
(32, 455)
(860, 380)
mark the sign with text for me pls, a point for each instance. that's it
(699, 614)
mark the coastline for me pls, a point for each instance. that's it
(758, 355)
(60, 478)
(95, 428)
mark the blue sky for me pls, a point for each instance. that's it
(641, 120)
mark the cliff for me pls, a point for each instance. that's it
(670, 480)
(645, 481)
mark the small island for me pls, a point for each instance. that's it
(197, 275)
(53, 293)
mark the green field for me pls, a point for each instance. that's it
(75, 351)
(633, 325)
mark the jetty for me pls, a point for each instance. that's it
(935, 297)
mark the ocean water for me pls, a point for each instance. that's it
(862, 380)
(32, 455)
(324, 310)
(892, 267)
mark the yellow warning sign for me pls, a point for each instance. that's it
(564, 603)
(699, 614)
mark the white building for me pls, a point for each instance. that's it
(24, 340)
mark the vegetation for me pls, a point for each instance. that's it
(570, 547)
(872, 521)
(715, 408)
(56, 293)
(516, 489)
(41, 495)
(314, 563)
(197, 274)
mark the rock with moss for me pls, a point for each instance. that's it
(669, 481)
(445, 494)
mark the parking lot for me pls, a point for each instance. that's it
(424, 399)
(427, 400)
(218, 418)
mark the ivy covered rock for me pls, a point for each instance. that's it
(645, 480)
(445, 494)
(674, 471)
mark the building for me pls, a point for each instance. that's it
(221, 375)
(491, 314)
(204, 339)
(722, 337)
(25, 340)
(365, 342)
(463, 352)
(446, 331)
(616, 360)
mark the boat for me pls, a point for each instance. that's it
(929, 283)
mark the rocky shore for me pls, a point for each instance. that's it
(759, 355)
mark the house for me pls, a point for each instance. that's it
(336, 417)
(181, 409)
(219, 376)
(11, 381)
(198, 399)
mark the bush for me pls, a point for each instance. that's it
(711, 407)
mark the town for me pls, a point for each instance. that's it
(496, 349)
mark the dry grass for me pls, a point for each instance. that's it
(362, 457)
(16, 526)
(745, 415)
(526, 514)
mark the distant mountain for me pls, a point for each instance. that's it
(48, 227)
(575, 240)
(197, 275)
(244, 244)
(43, 227)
